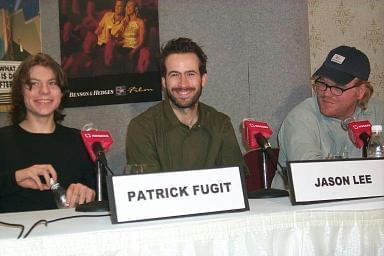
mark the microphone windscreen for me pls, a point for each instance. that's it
(90, 137)
(252, 127)
(356, 128)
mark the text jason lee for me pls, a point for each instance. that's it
(343, 180)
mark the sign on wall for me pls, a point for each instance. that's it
(20, 36)
(109, 51)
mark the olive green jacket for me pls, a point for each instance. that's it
(157, 139)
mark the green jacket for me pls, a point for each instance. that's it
(157, 139)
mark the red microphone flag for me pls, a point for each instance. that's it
(92, 136)
(356, 128)
(252, 127)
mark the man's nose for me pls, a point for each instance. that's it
(327, 92)
(184, 80)
(44, 88)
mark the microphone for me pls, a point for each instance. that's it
(256, 134)
(262, 142)
(98, 150)
(360, 132)
(97, 142)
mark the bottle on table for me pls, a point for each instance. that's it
(376, 142)
(59, 194)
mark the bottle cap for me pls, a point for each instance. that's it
(53, 184)
(377, 128)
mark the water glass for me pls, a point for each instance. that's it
(138, 168)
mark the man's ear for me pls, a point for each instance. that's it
(204, 79)
(361, 91)
(163, 82)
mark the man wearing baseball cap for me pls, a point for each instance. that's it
(316, 127)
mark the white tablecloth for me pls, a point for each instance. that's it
(271, 227)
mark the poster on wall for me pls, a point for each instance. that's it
(109, 51)
(20, 36)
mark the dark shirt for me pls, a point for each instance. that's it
(156, 138)
(19, 149)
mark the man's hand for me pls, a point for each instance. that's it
(30, 177)
(78, 193)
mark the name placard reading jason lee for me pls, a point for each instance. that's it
(150, 196)
(317, 181)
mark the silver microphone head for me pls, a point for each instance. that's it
(89, 127)
(344, 123)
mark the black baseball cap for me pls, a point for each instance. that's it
(343, 64)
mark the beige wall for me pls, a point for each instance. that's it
(358, 23)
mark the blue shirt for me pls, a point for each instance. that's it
(306, 134)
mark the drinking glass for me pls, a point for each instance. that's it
(337, 155)
(138, 168)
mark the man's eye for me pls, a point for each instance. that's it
(322, 85)
(34, 83)
(337, 90)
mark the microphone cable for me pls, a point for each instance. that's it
(14, 225)
(46, 222)
(109, 169)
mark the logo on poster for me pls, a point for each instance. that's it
(121, 90)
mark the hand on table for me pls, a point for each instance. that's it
(78, 193)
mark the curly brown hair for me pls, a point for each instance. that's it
(21, 80)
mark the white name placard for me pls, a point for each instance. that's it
(150, 196)
(326, 180)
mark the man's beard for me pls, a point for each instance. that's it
(186, 105)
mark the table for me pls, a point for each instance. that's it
(271, 227)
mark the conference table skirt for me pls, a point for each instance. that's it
(271, 227)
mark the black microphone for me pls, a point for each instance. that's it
(267, 151)
(365, 137)
(99, 152)
(264, 143)
(360, 134)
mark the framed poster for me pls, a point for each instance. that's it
(109, 51)
(20, 36)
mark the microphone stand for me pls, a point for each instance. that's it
(365, 138)
(365, 150)
(266, 192)
(99, 205)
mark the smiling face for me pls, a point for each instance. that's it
(183, 82)
(42, 94)
(342, 106)
(130, 8)
(119, 7)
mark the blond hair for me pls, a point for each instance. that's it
(363, 103)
